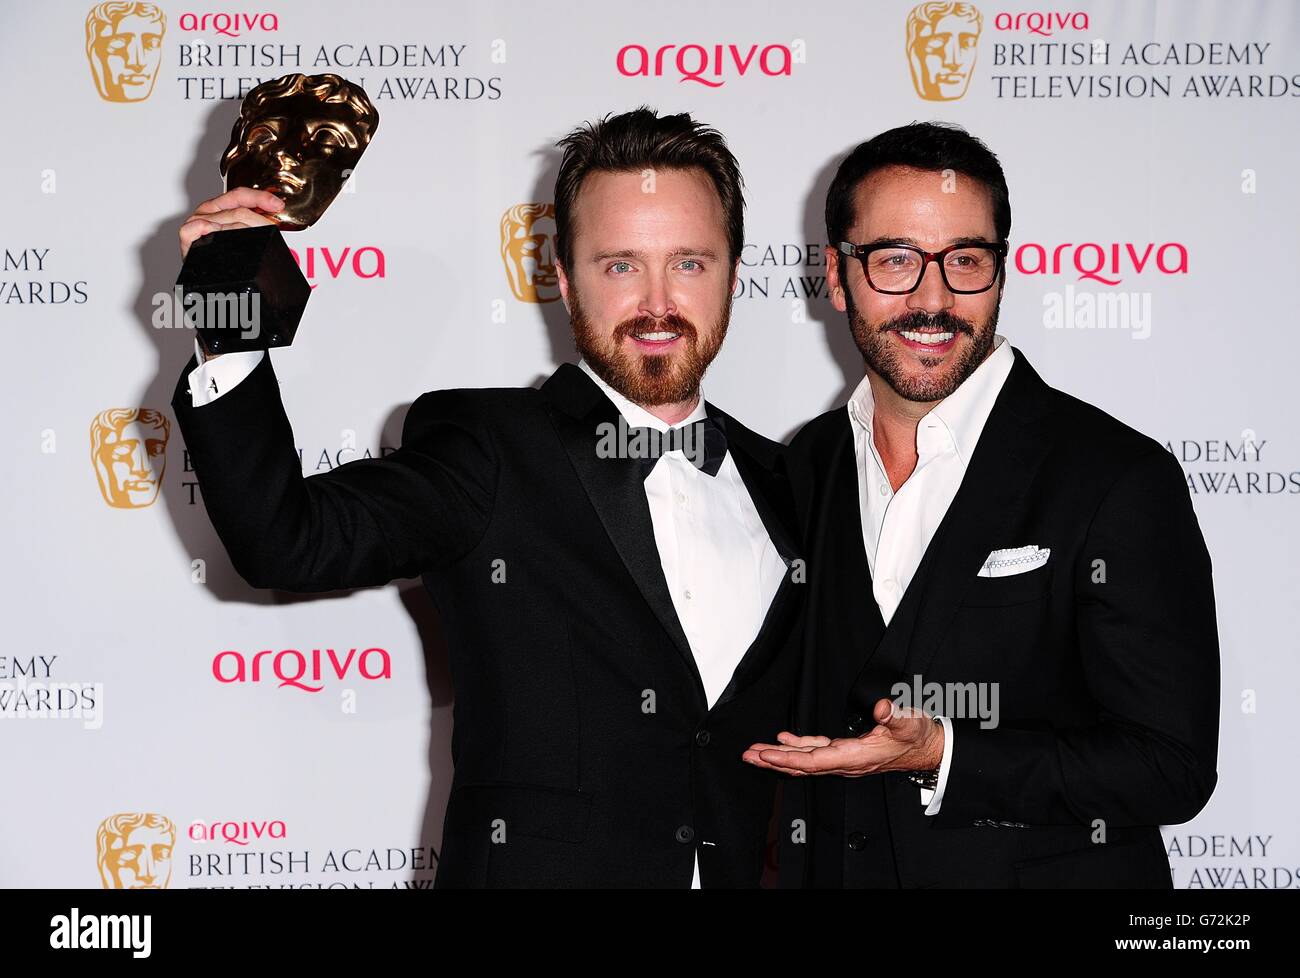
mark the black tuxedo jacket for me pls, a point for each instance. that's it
(584, 751)
(1106, 659)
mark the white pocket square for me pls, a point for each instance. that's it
(1014, 560)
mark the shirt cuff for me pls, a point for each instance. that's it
(212, 378)
(933, 799)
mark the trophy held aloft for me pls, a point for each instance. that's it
(300, 138)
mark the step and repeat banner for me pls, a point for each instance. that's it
(163, 724)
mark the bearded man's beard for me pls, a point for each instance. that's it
(667, 378)
(885, 358)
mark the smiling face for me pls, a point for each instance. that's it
(300, 147)
(925, 343)
(649, 293)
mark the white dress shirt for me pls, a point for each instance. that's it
(897, 526)
(720, 565)
(718, 560)
(212, 378)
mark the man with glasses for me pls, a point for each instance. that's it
(1011, 671)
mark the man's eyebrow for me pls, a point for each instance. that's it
(953, 242)
(641, 255)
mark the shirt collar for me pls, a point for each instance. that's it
(960, 417)
(634, 414)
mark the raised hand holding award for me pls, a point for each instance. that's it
(299, 137)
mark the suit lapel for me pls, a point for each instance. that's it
(769, 492)
(616, 489)
(992, 495)
(849, 636)
(771, 496)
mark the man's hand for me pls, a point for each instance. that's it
(903, 740)
(241, 207)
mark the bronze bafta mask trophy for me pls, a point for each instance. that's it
(299, 137)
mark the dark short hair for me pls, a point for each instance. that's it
(921, 146)
(643, 140)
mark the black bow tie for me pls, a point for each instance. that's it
(703, 442)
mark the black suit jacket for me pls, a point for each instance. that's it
(1106, 659)
(581, 726)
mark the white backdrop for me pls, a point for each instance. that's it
(1184, 173)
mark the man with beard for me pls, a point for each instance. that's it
(1011, 668)
(611, 555)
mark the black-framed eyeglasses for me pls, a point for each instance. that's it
(897, 269)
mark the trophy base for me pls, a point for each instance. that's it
(242, 290)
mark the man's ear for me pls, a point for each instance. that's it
(735, 276)
(564, 283)
(834, 280)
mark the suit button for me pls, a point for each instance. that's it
(685, 833)
(857, 841)
(853, 723)
(702, 738)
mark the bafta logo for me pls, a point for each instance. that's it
(942, 40)
(124, 48)
(528, 251)
(134, 851)
(128, 448)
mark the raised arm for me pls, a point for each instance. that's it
(364, 523)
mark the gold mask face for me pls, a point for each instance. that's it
(124, 48)
(942, 41)
(299, 137)
(134, 851)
